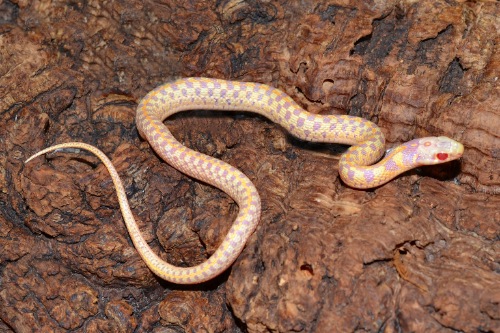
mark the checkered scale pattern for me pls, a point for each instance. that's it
(355, 166)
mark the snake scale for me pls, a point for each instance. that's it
(355, 166)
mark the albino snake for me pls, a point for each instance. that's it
(365, 137)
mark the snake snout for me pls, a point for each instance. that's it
(448, 149)
(459, 149)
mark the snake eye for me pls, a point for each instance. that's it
(442, 156)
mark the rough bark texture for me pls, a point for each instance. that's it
(420, 254)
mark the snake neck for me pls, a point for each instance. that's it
(363, 176)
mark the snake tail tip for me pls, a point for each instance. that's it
(29, 159)
(32, 157)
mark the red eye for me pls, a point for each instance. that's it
(442, 156)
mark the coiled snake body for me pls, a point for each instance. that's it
(355, 167)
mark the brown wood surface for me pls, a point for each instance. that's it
(420, 254)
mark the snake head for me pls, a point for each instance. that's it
(437, 150)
